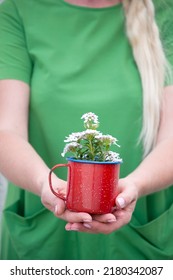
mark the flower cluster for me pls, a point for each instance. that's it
(91, 144)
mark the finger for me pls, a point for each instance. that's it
(122, 218)
(121, 202)
(106, 218)
(79, 227)
(127, 195)
(75, 217)
(59, 207)
(126, 198)
(54, 204)
(94, 227)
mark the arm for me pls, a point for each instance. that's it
(17, 156)
(153, 174)
(156, 171)
(19, 162)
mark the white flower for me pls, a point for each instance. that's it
(74, 137)
(70, 147)
(91, 144)
(88, 132)
(112, 156)
(88, 117)
(90, 120)
(107, 138)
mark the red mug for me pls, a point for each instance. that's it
(91, 185)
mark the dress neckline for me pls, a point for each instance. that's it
(92, 8)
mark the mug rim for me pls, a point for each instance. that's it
(93, 162)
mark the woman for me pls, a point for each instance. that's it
(60, 59)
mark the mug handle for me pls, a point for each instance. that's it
(58, 194)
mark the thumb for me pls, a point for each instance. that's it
(59, 207)
(126, 198)
(127, 193)
(120, 202)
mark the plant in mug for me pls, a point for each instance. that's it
(91, 144)
(93, 169)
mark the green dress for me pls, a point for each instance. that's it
(77, 60)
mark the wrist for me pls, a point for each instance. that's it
(138, 181)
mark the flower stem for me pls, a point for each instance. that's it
(91, 149)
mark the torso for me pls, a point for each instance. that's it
(90, 69)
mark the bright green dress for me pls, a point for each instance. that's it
(77, 60)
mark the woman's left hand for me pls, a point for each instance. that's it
(107, 223)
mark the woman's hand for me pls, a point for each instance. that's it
(58, 206)
(107, 223)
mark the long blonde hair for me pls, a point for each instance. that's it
(149, 55)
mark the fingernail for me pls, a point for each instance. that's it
(68, 227)
(87, 225)
(121, 202)
(74, 229)
(111, 220)
(56, 209)
(71, 229)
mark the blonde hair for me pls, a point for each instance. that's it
(144, 37)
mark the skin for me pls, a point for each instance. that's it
(27, 170)
(94, 3)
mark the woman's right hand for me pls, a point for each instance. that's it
(58, 206)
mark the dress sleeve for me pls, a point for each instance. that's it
(15, 62)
